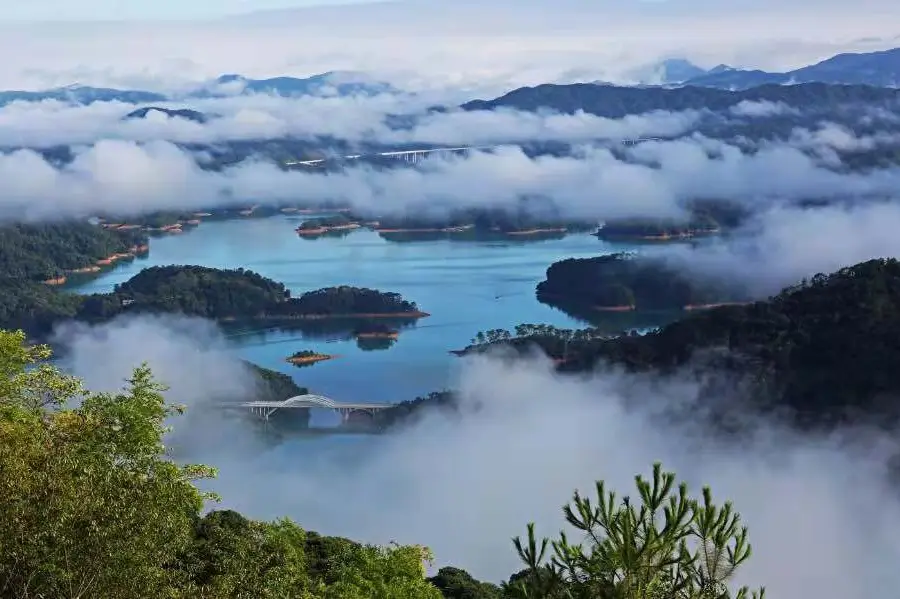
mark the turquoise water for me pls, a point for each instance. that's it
(466, 287)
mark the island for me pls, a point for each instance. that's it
(223, 295)
(307, 358)
(316, 227)
(650, 229)
(704, 218)
(524, 222)
(623, 282)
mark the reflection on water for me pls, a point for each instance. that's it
(466, 287)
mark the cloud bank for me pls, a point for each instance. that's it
(819, 512)
(781, 246)
(654, 179)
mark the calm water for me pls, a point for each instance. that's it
(466, 287)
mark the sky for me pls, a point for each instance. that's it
(423, 44)
(89, 10)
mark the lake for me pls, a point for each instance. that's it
(466, 287)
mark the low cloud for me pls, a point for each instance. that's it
(353, 119)
(783, 245)
(593, 182)
(820, 514)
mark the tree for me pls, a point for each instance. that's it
(90, 506)
(669, 547)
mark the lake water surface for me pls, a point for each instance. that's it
(466, 287)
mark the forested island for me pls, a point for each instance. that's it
(622, 282)
(526, 221)
(225, 295)
(317, 227)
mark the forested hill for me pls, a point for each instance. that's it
(37, 252)
(824, 351)
(219, 294)
(616, 102)
(825, 347)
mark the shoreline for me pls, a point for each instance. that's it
(393, 335)
(96, 267)
(692, 307)
(361, 315)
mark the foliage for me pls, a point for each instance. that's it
(618, 280)
(36, 252)
(666, 546)
(454, 583)
(92, 507)
(193, 290)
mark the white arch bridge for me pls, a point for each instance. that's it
(264, 409)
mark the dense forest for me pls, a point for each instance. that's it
(616, 102)
(580, 285)
(93, 508)
(193, 290)
(821, 351)
(37, 252)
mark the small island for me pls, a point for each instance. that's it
(649, 229)
(317, 227)
(704, 218)
(306, 358)
(622, 282)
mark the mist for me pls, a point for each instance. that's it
(594, 182)
(783, 245)
(820, 515)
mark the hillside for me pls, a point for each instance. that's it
(821, 352)
(616, 102)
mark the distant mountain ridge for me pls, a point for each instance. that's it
(878, 69)
(332, 83)
(611, 101)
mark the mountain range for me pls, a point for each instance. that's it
(879, 69)
(332, 83)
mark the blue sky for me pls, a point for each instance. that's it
(82, 10)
